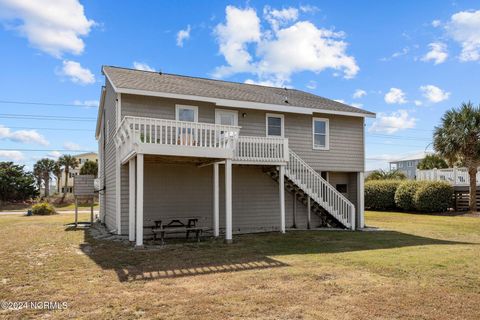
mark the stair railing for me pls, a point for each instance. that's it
(320, 190)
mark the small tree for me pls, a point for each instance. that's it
(15, 183)
(68, 162)
(44, 168)
(432, 161)
(458, 138)
(90, 167)
(386, 175)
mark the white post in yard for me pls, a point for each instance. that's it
(139, 233)
(309, 214)
(216, 210)
(281, 182)
(228, 201)
(361, 199)
(131, 200)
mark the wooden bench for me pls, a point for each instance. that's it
(176, 230)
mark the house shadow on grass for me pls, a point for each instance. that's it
(248, 252)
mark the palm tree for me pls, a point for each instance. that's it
(38, 175)
(90, 167)
(67, 162)
(44, 168)
(57, 172)
(432, 161)
(458, 139)
(386, 175)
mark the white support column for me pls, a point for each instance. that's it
(118, 191)
(216, 202)
(281, 182)
(360, 199)
(131, 200)
(139, 233)
(228, 201)
(309, 213)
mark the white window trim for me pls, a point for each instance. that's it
(219, 111)
(327, 133)
(275, 115)
(182, 106)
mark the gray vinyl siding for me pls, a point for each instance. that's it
(183, 190)
(110, 157)
(346, 133)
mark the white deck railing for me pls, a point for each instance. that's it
(138, 131)
(261, 149)
(456, 176)
(320, 190)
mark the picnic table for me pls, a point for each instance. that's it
(176, 225)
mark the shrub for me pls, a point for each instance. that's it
(434, 197)
(405, 194)
(43, 209)
(380, 194)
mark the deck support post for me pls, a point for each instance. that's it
(294, 224)
(360, 200)
(131, 199)
(216, 209)
(309, 213)
(139, 189)
(281, 186)
(228, 201)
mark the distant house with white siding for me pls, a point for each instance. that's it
(408, 164)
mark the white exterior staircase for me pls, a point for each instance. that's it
(327, 202)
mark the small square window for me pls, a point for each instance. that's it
(274, 125)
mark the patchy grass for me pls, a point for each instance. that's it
(58, 207)
(424, 267)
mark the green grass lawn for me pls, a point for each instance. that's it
(420, 267)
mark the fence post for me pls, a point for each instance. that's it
(454, 175)
(435, 174)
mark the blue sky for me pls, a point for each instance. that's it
(409, 61)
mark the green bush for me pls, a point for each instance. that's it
(434, 197)
(380, 194)
(405, 194)
(43, 209)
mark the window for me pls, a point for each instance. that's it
(275, 125)
(186, 113)
(226, 117)
(320, 128)
(341, 187)
(410, 163)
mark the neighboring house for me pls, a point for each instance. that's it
(243, 157)
(82, 158)
(408, 164)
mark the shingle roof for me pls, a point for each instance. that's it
(178, 84)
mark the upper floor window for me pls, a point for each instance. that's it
(320, 128)
(226, 117)
(275, 126)
(186, 113)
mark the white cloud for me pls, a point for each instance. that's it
(339, 100)
(241, 28)
(434, 94)
(357, 105)
(393, 122)
(22, 136)
(11, 155)
(86, 103)
(417, 103)
(142, 66)
(312, 84)
(280, 51)
(53, 26)
(54, 155)
(76, 73)
(395, 95)
(397, 54)
(438, 53)
(359, 93)
(183, 35)
(436, 23)
(278, 18)
(268, 83)
(71, 146)
(464, 28)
